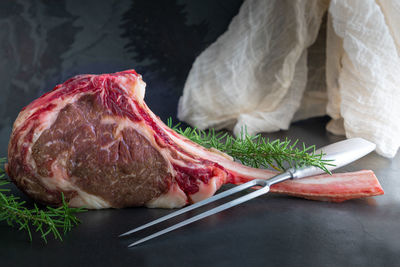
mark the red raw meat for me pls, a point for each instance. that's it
(94, 139)
(337, 187)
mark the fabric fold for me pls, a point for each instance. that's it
(274, 65)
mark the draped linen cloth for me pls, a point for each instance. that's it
(286, 60)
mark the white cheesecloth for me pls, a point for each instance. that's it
(281, 61)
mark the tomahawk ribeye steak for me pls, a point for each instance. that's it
(94, 139)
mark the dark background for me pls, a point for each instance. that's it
(43, 43)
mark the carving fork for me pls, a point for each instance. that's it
(338, 154)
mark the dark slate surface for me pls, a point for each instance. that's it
(44, 43)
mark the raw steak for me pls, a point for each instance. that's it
(94, 139)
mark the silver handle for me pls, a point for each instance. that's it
(339, 154)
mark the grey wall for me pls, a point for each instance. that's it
(43, 43)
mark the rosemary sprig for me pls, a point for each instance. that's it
(256, 151)
(44, 221)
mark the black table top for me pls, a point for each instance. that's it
(272, 229)
(43, 44)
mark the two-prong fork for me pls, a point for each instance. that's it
(338, 154)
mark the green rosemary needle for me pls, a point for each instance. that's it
(44, 221)
(256, 151)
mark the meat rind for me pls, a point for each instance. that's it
(338, 187)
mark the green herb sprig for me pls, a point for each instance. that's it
(44, 221)
(256, 151)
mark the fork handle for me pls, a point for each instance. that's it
(280, 177)
(337, 155)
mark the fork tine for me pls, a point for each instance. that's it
(232, 203)
(195, 205)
